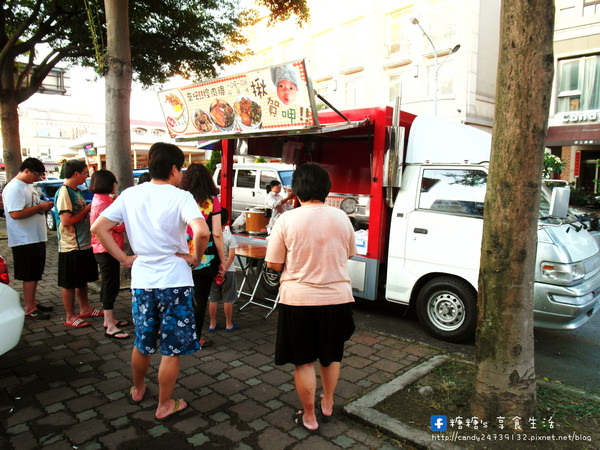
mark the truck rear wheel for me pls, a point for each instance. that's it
(447, 308)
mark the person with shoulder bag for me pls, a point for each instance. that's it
(198, 181)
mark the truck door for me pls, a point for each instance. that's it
(444, 230)
(437, 264)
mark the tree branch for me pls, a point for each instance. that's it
(12, 41)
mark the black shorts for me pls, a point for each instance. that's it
(76, 268)
(308, 333)
(29, 261)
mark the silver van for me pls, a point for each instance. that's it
(250, 182)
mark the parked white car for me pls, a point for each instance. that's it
(12, 314)
(250, 182)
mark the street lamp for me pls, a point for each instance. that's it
(415, 21)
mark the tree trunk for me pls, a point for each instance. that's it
(9, 121)
(505, 371)
(11, 139)
(118, 92)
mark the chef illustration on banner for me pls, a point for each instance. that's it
(272, 98)
(286, 80)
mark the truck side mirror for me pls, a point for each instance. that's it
(559, 203)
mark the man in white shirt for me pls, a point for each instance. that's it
(26, 226)
(277, 203)
(156, 215)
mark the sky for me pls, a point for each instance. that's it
(87, 94)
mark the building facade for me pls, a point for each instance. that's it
(574, 121)
(438, 56)
(367, 53)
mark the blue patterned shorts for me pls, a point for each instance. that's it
(167, 314)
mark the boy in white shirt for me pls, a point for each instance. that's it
(156, 215)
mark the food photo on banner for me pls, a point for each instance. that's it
(272, 98)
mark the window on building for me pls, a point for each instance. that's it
(566, 8)
(591, 7)
(579, 84)
(445, 81)
(440, 23)
(326, 90)
(323, 62)
(395, 86)
(352, 91)
(56, 82)
(353, 36)
(139, 131)
(399, 33)
(402, 82)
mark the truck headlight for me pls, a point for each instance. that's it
(557, 273)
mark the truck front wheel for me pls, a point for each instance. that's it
(447, 308)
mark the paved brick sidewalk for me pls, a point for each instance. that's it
(66, 388)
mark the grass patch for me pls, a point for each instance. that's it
(564, 418)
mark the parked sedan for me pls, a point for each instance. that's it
(12, 314)
(47, 189)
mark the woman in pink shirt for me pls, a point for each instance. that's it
(311, 246)
(104, 187)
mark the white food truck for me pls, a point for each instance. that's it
(423, 183)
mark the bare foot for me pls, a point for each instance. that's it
(310, 426)
(326, 407)
(172, 407)
(135, 396)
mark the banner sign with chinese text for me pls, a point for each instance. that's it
(274, 98)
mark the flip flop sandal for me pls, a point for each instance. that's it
(130, 397)
(94, 313)
(324, 418)
(114, 335)
(297, 418)
(37, 315)
(176, 409)
(77, 323)
(121, 323)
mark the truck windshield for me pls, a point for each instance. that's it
(286, 177)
